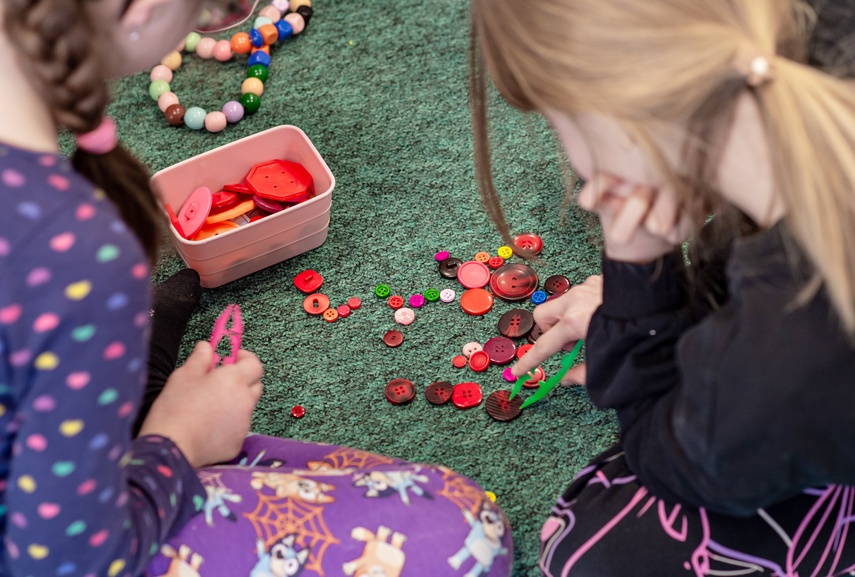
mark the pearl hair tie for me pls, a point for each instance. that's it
(757, 68)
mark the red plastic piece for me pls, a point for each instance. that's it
(467, 395)
(354, 303)
(195, 211)
(459, 361)
(343, 311)
(223, 198)
(237, 187)
(297, 412)
(280, 180)
(308, 281)
(479, 361)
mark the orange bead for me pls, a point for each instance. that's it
(269, 34)
(172, 60)
(241, 43)
(265, 49)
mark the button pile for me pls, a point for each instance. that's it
(308, 282)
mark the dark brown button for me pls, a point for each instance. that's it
(557, 284)
(439, 393)
(500, 408)
(528, 242)
(466, 395)
(393, 338)
(400, 391)
(515, 324)
(514, 282)
(448, 267)
(501, 350)
(535, 333)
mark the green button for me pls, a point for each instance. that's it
(431, 295)
(382, 290)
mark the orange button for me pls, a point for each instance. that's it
(331, 315)
(209, 230)
(231, 212)
(482, 257)
(316, 304)
(476, 301)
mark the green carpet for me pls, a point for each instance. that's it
(381, 90)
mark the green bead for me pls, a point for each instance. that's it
(191, 41)
(382, 290)
(251, 103)
(157, 88)
(431, 295)
(258, 71)
(194, 118)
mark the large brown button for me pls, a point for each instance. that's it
(501, 350)
(448, 267)
(557, 284)
(514, 282)
(400, 391)
(439, 393)
(466, 395)
(535, 333)
(500, 408)
(516, 323)
(393, 338)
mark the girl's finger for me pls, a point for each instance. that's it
(592, 192)
(632, 215)
(663, 214)
(547, 345)
(575, 376)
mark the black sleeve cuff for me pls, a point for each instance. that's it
(637, 290)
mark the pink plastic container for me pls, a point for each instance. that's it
(252, 247)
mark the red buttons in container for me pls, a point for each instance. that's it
(448, 267)
(495, 262)
(405, 316)
(297, 412)
(439, 393)
(515, 324)
(195, 211)
(266, 205)
(473, 274)
(316, 304)
(223, 199)
(470, 348)
(534, 383)
(237, 187)
(479, 361)
(528, 242)
(501, 350)
(500, 408)
(557, 284)
(514, 282)
(523, 350)
(308, 281)
(476, 302)
(400, 391)
(459, 361)
(331, 315)
(280, 180)
(393, 339)
(343, 311)
(354, 303)
(396, 301)
(466, 395)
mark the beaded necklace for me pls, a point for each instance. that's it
(275, 23)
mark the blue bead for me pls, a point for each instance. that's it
(538, 297)
(195, 118)
(285, 29)
(255, 38)
(255, 58)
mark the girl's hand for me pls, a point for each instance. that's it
(639, 224)
(563, 320)
(207, 413)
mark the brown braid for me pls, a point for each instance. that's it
(65, 47)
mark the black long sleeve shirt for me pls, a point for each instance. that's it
(737, 410)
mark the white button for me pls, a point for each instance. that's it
(447, 295)
(470, 348)
(404, 316)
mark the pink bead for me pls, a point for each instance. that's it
(271, 12)
(296, 21)
(282, 5)
(223, 51)
(166, 100)
(215, 121)
(161, 72)
(205, 47)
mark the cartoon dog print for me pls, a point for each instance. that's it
(379, 558)
(484, 542)
(283, 560)
(293, 486)
(216, 501)
(387, 483)
(183, 563)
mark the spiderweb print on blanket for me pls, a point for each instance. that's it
(460, 492)
(275, 518)
(344, 458)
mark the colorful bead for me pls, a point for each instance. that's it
(258, 71)
(191, 40)
(269, 34)
(233, 111)
(272, 12)
(251, 103)
(240, 43)
(296, 21)
(261, 21)
(205, 48)
(172, 60)
(157, 88)
(258, 58)
(223, 51)
(282, 5)
(294, 4)
(265, 49)
(285, 30)
(252, 86)
(215, 121)
(175, 115)
(256, 38)
(194, 118)
(166, 100)
(306, 12)
(160, 72)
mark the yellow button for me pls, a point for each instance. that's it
(505, 252)
(491, 495)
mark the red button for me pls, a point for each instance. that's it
(479, 361)
(343, 311)
(400, 391)
(476, 301)
(495, 262)
(396, 301)
(393, 339)
(297, 412)
(316, 304)
(557, 284)
(439, 393)
(514, 282)
(501, 350)
(459, 361)
(473, 274)
(466, 395)
(308, 281)
(237, 187)
(534, 383)
(523, 350)
(354, 303)
(500, 408)
(280, 180)
(195, 211)
(223, 199)
(529, 242)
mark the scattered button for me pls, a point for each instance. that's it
(557, 284)
(431, 295)
(470, 348)
(473, 274)
(308, 281)
(476, 301)
(500, 408)
(508, 375)
(466, 395)
(382, 291)
(405, 316)
(490, 495)
(535, 333)
(297, 412)
(482, 257)
(515, 324)
(538, 297)
(400, 391)
(354, 303)
(396, 301)
(316, 304)
(331, 315)
(343, 311)
(439, 393)
(496, 262)
(534, 382)
(417, 301)
(393, 339)
(505, 252)
(514, 282)
(528, 242)
(501, 350)
(447, 295)
(479, 361)
(448, 267)
(441, 255)
(459, 361)
(521, 351)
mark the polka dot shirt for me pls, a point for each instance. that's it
(77, 495)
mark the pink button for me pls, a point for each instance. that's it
(404, 316)
(343, 311)
(417, 301)
(508, 375)
(195, 210)
(441, 256)
(471, 347)
(473, 274)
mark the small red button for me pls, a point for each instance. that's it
(534, 383)
(297, 412)
(393, 339)
(495, 262)
(473, 274)
(466, 395)
(316, 304)
(396, 301)
(400, 391)
(459, 361)
(479, 361)
(523, 350)
(476, 301)
(501, 350)
(354, 303)
(223, 199)
(439, 393)
(500, 408)
(308, 281)
(343, 311)
(528, 242)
